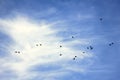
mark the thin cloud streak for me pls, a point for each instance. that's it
(26, 34)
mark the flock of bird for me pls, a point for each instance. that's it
(74, 58)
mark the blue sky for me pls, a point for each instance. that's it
(25, 23)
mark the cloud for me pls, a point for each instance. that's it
(26, 33)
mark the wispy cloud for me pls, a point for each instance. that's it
(26, 33)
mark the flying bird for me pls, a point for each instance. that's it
(60, 46)
(15, 51)
(73, 58)
(87, 47)
(72, 36)
(60, 54)
(112, 43)
(18, 51)
(91, 47)
(109, 44)
(40, 44)
(36, 44)
(101, 19)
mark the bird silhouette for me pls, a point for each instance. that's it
(18, 51)
(36, 44)
(101, 19)
(72, 36)
(83, 52)
(60, 46)
(87, 47)
(109, 44)
(60, 54)
(91, 47)
(40, 44)
(73, 58)
(112, 43)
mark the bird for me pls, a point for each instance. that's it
(18, 51)
(36, 44)
(60, 46)
(87, 47)
(83, 52)
(112, 43)
(40, 44)
(109, 44)
(72, 36)
(73, 58)
(101, 19)
(60, 54)
(91, 47)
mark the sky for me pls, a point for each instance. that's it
(24, 24)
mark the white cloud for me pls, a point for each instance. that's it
(26, 33)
